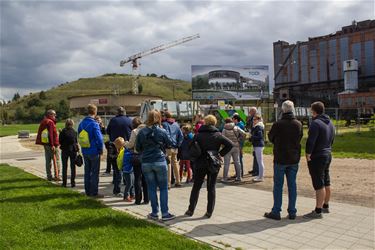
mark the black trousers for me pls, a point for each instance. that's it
(116, 179)
(65, 155)
(199, 175)
(109, 164)
(140, 185)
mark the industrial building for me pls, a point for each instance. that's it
(315, 69)
(107, 104)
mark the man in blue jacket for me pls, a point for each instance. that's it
(175, 135)
(91, 141)
(318, 155)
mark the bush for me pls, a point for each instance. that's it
(35, 101)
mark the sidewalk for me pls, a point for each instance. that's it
(238, 220)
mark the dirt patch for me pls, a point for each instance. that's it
(352, 180)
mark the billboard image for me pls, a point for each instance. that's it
(217, 82)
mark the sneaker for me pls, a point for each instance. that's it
(189, 213)
(128, 199)
(292, 216)
(237, 180)
(168, 217)
(325, 210)
(63, 185)
(177, 185)
(272, 216)
(254, 174)
(208, 215)
(118, 195)
(57, 179)
(152, 216)
(313, 215)
(73, 185)
(98, 196)
(251, 172)
(106, 174)
(256, 179)
(224, 180)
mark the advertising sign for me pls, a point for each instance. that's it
(216, 82)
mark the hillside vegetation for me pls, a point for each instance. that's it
(30, 108)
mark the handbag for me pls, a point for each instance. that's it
(79, 160)
(214, 162)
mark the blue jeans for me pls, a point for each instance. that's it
(91, 176)
(157, 176)
(278, 181)
(129, 184)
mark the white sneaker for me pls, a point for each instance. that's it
(118, 195)
(258, 179)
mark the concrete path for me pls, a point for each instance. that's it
(237, 222)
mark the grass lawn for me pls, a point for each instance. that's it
(12, 129)
(346, 145)
(35, 214)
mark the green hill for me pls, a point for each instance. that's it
(30, 108)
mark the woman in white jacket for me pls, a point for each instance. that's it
(235, 135)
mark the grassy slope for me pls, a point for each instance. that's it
(35, 214)
(105, 85)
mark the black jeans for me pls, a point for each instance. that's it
(140, 184)
(65, 155)
(199, 175)
(109, 164)
(116, 177)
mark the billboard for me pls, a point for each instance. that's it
(219, 82)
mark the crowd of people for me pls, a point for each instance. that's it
(158, 154)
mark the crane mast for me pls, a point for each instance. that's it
(134, 58)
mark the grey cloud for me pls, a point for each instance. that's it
(46, 43)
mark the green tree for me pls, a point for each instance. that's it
(35, 101)
(42, 95)
(35, 114)
(16, 97)
(63, 110)
(140, 88)
(154, 75)
(19, 114)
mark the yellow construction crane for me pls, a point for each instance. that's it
(134, 58)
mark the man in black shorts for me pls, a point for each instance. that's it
(318, 155)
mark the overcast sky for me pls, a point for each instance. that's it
(45, 43)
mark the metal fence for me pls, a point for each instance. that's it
(345, 120)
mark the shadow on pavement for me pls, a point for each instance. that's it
(247, 227)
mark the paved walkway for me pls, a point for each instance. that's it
(238, 220)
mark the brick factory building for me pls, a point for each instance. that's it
(313, 70)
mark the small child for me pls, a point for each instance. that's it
(124, 164)
(184, 155)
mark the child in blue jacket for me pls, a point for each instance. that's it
(124, 164)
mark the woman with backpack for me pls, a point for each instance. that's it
(209, 140)
(234, 134)
(151, 143)
(69, 149)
